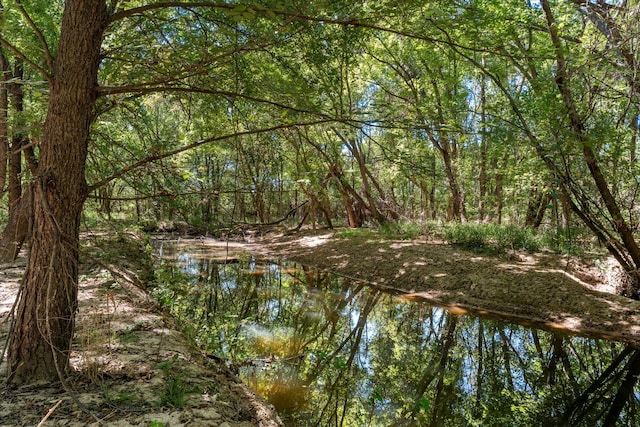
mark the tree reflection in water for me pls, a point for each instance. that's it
(327, 351)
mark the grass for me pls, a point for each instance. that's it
(175, 392)
(492, 238)
(121, 399)
(351, 233)
(484, 238)
(498, 239)
(401, 230)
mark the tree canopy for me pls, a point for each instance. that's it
(221, 114)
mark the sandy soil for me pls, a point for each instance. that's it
(129, 357)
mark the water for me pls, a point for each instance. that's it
(326, 350)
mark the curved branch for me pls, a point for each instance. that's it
(352, 22)
(39, 35)
(168, 4)
(170, 153)
(105, 90)
(4, 42)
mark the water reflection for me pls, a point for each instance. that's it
(327, 350)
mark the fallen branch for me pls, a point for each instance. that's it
(51, 411)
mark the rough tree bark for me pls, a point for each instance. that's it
(629, 254)
(15, 233)
(4, 118)
(44, 320)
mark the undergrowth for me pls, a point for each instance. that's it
(175, 392)
(484, 238)
(497, 239)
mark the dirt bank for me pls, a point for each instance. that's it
(546, 289)
(132, 366)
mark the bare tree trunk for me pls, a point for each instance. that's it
(353, 146)
(456, 202)
(482, 173)
(629, 253)
(4, 118)
(44, 321)
(16, 231)
(498, 191)
(353, 219)
(536, 207)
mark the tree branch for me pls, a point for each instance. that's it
(170, 153)
(39, 35)
(168, 4)
(4, 42)
(353, 22)
(195, 69)
(227, 94)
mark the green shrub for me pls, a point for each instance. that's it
(403, 230)
(572, 240)
(175, 392)
(492, 238)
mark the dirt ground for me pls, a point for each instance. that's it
(133, 368)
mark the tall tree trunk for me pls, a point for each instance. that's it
(4, 118)
(353, 146)
(457, 209)
(482, 173)
(456, 201)
(544, 204)
(15, 233)
(498, 191)
(432, 192)
(536, 206)
(631, 259)
(41, 336)
(354, 220)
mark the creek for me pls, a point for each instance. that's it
(327, 350)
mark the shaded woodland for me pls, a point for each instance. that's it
(224, 116)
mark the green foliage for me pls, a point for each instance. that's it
(499, 239)
(362, 232)
(411, 107)
(491, 238)
(175, 391)
(403, 230)
(572, 240)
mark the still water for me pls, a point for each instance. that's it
(329, 351)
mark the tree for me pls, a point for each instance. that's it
(4, 117)
(41, 335)
(44, 321)
(19, 199)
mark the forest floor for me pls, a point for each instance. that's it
(132, 366)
